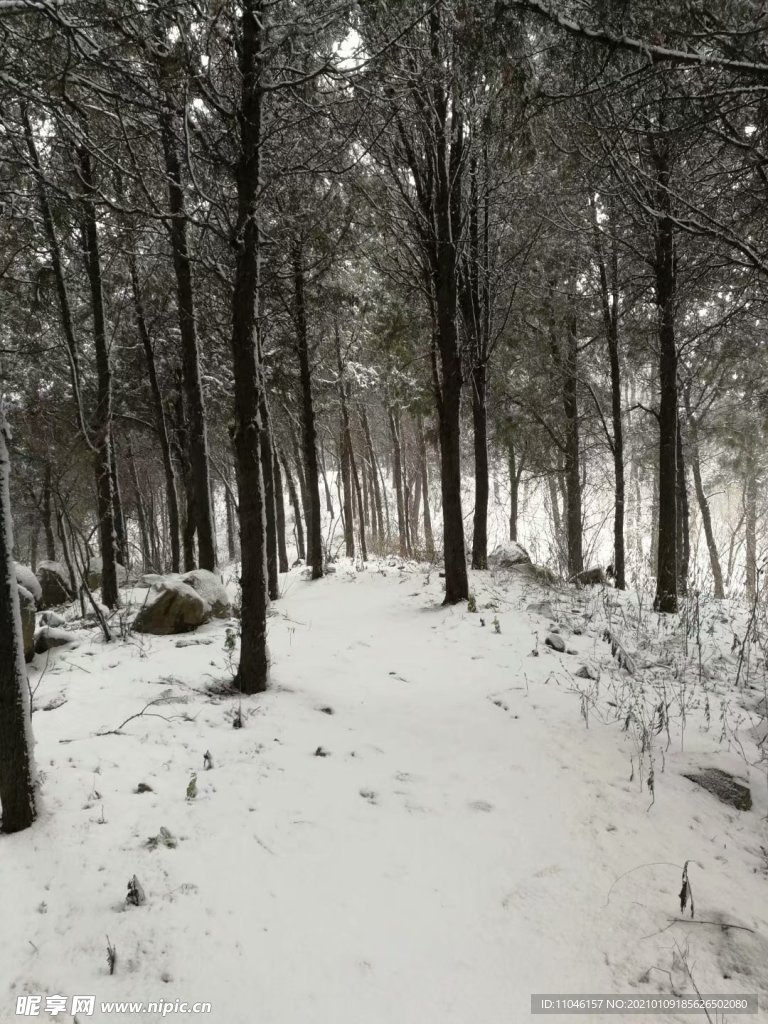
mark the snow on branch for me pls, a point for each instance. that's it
(654, 53)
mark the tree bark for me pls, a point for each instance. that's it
(309, 429)
(293, 497)
(17, 793)
(683, 534)
(197, 438)
(253, 670)
(666, 288)
(159, 412)
(102, 416)
(282, 552)
(750, 522)
(50, 540)
(397, 473)
(694, 459)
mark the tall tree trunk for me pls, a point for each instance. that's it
(374, 474)
(270, 507)
(17, 771)
(197, 438)
(229, 506)
(293, 497)
(666, 288)
(610, 299)
(158, 408)
(345, 492)
(479, 386)
(102, 417)
(140, 514)
(308, 426)
(253, 671)
(282, 553)
(750, 521)
(515, 473)
(397, 473)
(429, 540)
(50, 540)
(683, 534)
(121, 534)
(694, 459)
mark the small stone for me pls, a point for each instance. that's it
(588, 671)
(555, 642)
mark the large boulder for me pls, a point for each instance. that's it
(211, 589)
(506, 556)
(54, 584)
(177, 608)
(27, 606)
(27, 579)
(95, 571)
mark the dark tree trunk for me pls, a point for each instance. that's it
(229, 506)
(293, 497)
(171, 494)
(197, 439)
(683, 535)
(74, 579)
(397, 473)
(140, 513)
(703, 503)
(50, 540)
(429, 540)
(479, 386)
(121, 535)
(270, 507)
(666, 287)
(311, 500)
(611, 296)
(102, 417)
(515, 473)
(345, 496)
(253, 671)
(282, 553)
(750, 521)
(17, 793)
(374, 477)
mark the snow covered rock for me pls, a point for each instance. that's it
(27, 607)
(54, 583)
(211, 589)
(52, 619)
(95, 570)
(49, 637)
(176, 609)
(724, 786)
(505, 556)
(27, 579)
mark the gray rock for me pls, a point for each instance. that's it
(724, 786)
(55, 584)
(27, 608)
(591, 577)
(555, 642)
(49, 637)
(52, 619)
(95, 571)
(588, 671)
(27, 579)
(211, 589)
(176, 609)
(506, 556)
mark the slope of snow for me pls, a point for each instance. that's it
(422, 822)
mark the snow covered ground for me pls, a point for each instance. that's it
(428, 818)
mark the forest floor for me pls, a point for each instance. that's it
(427, 818)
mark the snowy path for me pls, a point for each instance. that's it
(465, 842)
